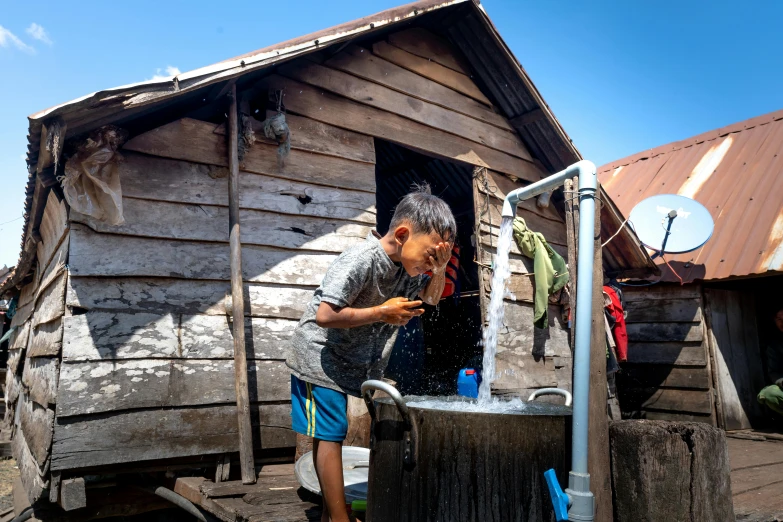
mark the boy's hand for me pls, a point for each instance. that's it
(399, 310)
(441, 258)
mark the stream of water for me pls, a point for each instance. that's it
(500, 275)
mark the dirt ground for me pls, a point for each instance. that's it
(8, 473)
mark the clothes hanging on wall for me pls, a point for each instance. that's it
(550, 272)
(616, 317)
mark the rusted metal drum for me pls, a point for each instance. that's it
(435, 463)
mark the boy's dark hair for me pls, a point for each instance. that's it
(425, 213)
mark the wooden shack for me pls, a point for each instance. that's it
(122, 354)
(697, 348)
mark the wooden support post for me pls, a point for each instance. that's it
(246, 460)
(54, 487)
(223, 468)
(598, 464)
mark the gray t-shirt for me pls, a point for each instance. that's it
(343, 358)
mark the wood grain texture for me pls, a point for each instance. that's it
(40, 378)
(314, 136)
(208, 223)
(46, 339)
(161, 295)
(663, 291)
(112, 255)
(98, 336)
(362, 63)
(670, 471)
(664, 399)
(34, 484)
(336, 110)
(23, 313)
(137, 436)
(664, 311)
(421, 42)
(110, 386)
(27, 294)
(51, 303)
(665, 332)
(381, 97)
(54, 225)
(194, 140)
(19, 337)
(151, 177)
(433, 71)
(497, 185)
(553, 228)
(37, 424)
(57, 264)
(645, 376)
(667, 353)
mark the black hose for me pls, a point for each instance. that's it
(27, 514)
(176, 499)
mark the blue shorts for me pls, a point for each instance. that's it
(318, 412)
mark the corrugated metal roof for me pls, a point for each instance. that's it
(736, 172)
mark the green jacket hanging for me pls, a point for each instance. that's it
(550, 272)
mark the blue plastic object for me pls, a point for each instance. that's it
(468, 382)
(559, 498)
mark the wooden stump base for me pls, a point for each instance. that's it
(670, 471)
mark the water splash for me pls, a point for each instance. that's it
(500, 275)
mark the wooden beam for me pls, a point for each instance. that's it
(246, 461)
(598, 464)
(527, 118)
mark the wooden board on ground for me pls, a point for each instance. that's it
(99, 336)
(362, 63)
(116, 256)
(433, 71)
(208, 223)
(378, 96)
(151, 177)
(40, 377)
(161, 295)
(122, 437)
(336, 110)
(194, 140)
(155, 383)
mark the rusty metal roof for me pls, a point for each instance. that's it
(737, 173)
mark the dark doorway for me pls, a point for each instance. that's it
(430, 352)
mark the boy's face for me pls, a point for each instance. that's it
(417, 250)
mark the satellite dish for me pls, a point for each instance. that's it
(671, 224)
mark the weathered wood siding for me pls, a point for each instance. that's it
(146, 361)
(528, 357)
(667, 376)
(34, 352)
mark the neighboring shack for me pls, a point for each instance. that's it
(122, 354)
(698, 350)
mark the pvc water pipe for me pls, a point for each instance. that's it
(581, 504)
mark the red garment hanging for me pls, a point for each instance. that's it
(618, 330)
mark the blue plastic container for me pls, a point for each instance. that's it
(468, 382)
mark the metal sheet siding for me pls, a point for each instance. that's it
(736, 172)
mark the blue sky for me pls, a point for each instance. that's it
(621, 76)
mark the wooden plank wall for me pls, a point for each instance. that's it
(150, 357)
(528, 358)
(668, 374)
(34, 352)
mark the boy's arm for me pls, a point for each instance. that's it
(434, 289)
(398, 311)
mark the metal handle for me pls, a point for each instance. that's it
(552, 391)
(391, 391)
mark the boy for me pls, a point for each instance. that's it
(347, 332)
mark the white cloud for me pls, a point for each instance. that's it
(39, 33)
(9, 39)
(170, 73)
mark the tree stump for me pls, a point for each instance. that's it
(670, 471)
